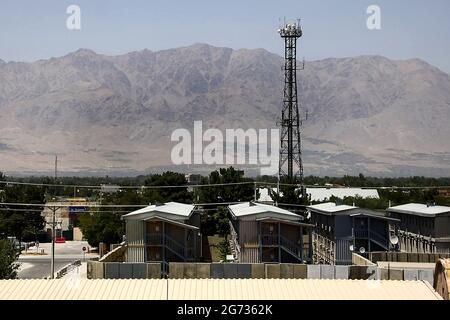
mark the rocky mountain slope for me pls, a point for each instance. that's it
(116, 113)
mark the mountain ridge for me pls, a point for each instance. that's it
(365, 113)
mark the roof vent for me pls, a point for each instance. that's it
(252, 204)
(430, 204)
(159, 204)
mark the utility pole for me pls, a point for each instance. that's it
(56, 167)
(53, 242)
(54, 208)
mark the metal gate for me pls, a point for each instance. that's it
(343, 253)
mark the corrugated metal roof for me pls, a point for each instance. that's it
(215, 289)
(175, 208)
(420, 209)
(77, 289)
(331, 207)
(248, 208)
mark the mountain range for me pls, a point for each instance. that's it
(115, 114)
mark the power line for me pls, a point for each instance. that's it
(78, 205)
(256, 183)
(123, 187)
(87, 211)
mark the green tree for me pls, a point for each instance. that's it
(290, 195)
(23, 222)
(167, 194)
(8, 260)
(102, 227)
(216, 223)
(224, 249)
(227, 193)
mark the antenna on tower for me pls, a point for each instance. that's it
(290, 165)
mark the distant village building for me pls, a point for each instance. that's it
(264, 195)
(445, 193)
(265, 233)
(341, 229)
(423, 228)
(67, 213)
(193, 179)
(109, 189)
(165, 233)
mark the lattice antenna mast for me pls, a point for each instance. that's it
(290, 165)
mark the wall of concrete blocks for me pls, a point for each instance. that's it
(361, 261)
(291, 271)
(406, 257)
(115, 255)
(117, 270)
(268, 271)
(112, 270)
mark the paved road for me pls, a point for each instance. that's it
(38, 266)
(38, 269)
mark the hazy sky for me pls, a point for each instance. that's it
(31, 30)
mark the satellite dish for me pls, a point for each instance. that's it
(362, 250)
(352, 248)
(393, 239)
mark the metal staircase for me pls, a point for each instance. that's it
(291, 247)
(372, 236)
(184, 253)
(177, 248)
(379, 239)
(234, 243)
(287, 245)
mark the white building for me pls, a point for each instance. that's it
(323, 194)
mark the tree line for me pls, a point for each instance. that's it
(109, 227)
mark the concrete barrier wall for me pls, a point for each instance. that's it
(113, 270)
(407, 257)
(116, 255)
(95, 270)
(361, 261)
(117, 270)
(267, 271)
(292, 271)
